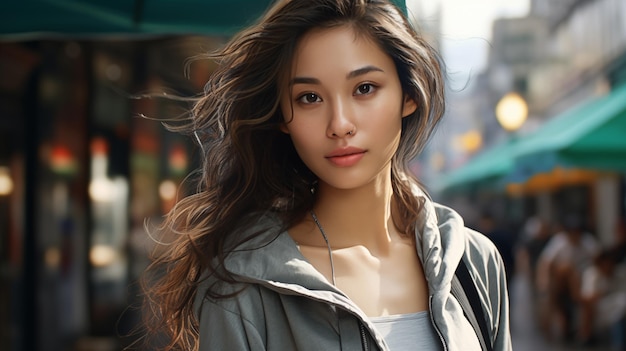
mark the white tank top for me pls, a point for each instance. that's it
(411, 331)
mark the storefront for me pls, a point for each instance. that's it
(85, 159)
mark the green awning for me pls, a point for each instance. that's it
(592, 135)
(35, 19)
(41, 19)
(486, 169)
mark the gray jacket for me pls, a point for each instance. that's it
(285, 304)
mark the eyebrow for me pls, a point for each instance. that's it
(352, 74)
(304, 80)
(362, 71)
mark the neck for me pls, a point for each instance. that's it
(360, 216)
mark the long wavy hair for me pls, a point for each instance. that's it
(250, 167)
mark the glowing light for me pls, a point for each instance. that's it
(52, 257)
(511, 111)
(99, 146)
(178, 159)
(167, 190)
(472, 141)
(6, 183)
(62, 160)
(102, 255)
(102, 190)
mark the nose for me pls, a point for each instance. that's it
(341, 122)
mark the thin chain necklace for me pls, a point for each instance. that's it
(330, 251)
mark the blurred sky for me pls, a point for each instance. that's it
(465, 30)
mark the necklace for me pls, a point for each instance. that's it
(330, 251)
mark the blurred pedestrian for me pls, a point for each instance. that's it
(308, 230)
(603, 297)
(535, 235)
(559, 271)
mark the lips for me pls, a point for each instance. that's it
(346, 156)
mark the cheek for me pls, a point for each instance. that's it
(305, 140)
(300, 138)
(305, 127)
(384, 119)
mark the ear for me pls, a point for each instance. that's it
(408, 106)
(283, 128)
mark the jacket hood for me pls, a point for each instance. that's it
(440, 244)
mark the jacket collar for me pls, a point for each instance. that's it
(272, 256)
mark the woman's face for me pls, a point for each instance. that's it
(343, 107)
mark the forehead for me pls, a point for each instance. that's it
(341, 47)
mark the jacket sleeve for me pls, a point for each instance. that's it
(490, 278)
(502, 334)
(222, 327)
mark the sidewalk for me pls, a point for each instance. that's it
(524, 332)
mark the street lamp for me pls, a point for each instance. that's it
(511, 111)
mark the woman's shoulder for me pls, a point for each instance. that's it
(446, 216)
(254, 229)
(260, 252)
(482, 254)
(479, 249)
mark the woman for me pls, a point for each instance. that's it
(308, 231)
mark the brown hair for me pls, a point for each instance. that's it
(251, 167)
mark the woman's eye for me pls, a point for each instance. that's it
(309, 98)
(364, 89)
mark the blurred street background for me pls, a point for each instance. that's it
(532, 153)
